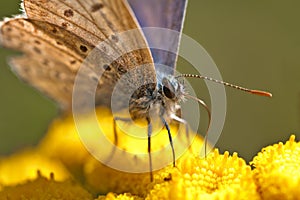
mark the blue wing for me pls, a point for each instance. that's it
(163, 14)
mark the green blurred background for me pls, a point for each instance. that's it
(254, 44)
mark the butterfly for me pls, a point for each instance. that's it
(58, 36)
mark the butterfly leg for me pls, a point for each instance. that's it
(115, 119)
(149, 147)
(149, 140)
(170, 138)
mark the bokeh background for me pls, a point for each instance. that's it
(254, 44)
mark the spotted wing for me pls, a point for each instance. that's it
(59, 35)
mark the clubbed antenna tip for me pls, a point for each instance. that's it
(261, 93)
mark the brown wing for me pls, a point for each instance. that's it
(93, 20)
(26, 67)
(58, 37)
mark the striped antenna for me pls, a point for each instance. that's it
(257, 92)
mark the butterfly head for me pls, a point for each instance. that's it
(171, 92)
(171, 88)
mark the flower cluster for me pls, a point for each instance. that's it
(277, 170)
(61, 168)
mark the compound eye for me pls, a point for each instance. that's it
(168, 93)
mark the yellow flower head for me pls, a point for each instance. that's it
(214, 177)
(23, 166)
(63, 140)
(125, 196)
(42, 188)
(277, 170)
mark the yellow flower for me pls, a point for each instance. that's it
(23, 166)
(277, 170)
(215, 177)
(63, 140)
(125, 196)
(42, 188)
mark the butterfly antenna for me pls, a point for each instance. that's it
(257, 92)
(202, 103)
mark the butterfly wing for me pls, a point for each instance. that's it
(48, 64)
(167, 14)
(58, 36)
